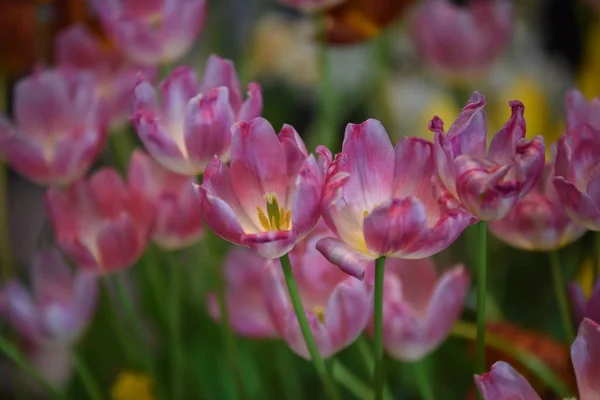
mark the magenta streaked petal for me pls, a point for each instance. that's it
(369, 155)
(395, 225)
(585, 354)
(580, 206)
(414, 168)
(179, 87)
(580, 112)
(444, 158)
(503, 382)
(564, 155)
(503, 145)
(119, 245)
(146, 98)
(468, 133)
(295, 149)
(252, 107)
(345, 257)
(306, 199)
(258, 166)
(272, 244)
(221, 72)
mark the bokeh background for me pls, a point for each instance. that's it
(377, 73)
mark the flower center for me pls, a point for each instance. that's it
(319, 312)
(277, 218)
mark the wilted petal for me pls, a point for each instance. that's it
(503, 146)
(468, 134)
(504, 383)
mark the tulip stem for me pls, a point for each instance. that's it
(230, 343)
(480, 365)
(423, 380)
(311, 344)
(468, 331)
(561, 295)
(348, 380)
(13, 352)
(378, 374)
(177, 372)
(87, 378)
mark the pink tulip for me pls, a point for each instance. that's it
(538, 221)
(504, 383)
(462, 40)
(154, 32)
(268, 199)
(577, 175)
(101, 223)
(77, 48)
(338, 306)
(245, 274)
(59, 306)
(178, 220)
(382, 202)
(193, 124)
(582, 307)
(419, 306)
(312, 5)
(59, 127)
(488, 183)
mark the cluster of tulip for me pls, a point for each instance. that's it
(329, 246)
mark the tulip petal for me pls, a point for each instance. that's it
(502, 148)
(252, 107)
(578, 302)
(294, 338)
(179, 88)
(502, 382)
(345, 257)
(395, 225)
(50, 275)
(22, 311)
(585, 353)
(580, 206)
(468, 133)
(118, 245)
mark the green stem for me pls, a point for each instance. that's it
(561, 295)
(378, 374)
(317, 360)
(468, 331)
(230, 343)
(327, 98)
(87, 378)
(287, 373)
(177, 373)
(366, 355)
(480, 365)
(12, 352)
(423, 380)
(122, 338)
(122, 145)
(151, 262)
(6, 262)
(348, 380)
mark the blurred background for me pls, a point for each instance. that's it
(377, 71)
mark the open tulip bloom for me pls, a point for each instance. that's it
(503, 382)
(488, 182)
(381, 201)
(268, 198)
(577, 176)
(193, 122)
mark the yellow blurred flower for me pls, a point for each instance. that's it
(132, 386)
(589, 75)
(585, 278)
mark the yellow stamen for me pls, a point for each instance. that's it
(319, 312)
(276, 218)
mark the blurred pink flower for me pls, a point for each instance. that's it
(487, 182)
(178, 219)
(58, 129)
(312, 5)
(268, 199)
(382, 202)
(102, 224)
(152, 32)
(577, 175)
(538, 221)
(503, 382)
(419, 306)
(582, 307)
(193, 124)
(462, 40)
(79, 49)
(338, 306)
(246, 301)
(59, 306)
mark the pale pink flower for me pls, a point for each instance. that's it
(487, 182)
(462, 40)
(420, 306)
(59, 127)
(193, 123)
(268, 199)
(152, 32)
(503, 382)
(381, 201)
(102, 224)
